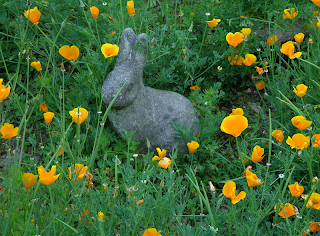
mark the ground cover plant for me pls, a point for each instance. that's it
(251, 69)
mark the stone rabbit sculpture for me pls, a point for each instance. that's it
(146, 111)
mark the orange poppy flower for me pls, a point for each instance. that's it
(43, 107)
(29, 180)
(236, 60)
(260, 85)
(194, 87)
(33, 15)
(151, 232)
(299, 37)
(314, 201)
(165, 162)
(316, 140)
(162, 154)
(249, 59)
(48, 116)
(289, 13)
(272, 40)
(314, 226)
(252, 179)
(79, 115)
(193, 146)
(94, 12)
(69, 53)
(237, 111)
(234, 125)
(295, 189)
(213, 23)
(47, 178)
(234, 39)
(259, 70)
(79, 170)
(287, 208)
(317, 2)
(130, 7)
(278, 135)
(288, 49)
(298, 141)
(36, 65)
(4, 92)
(300, 122)
(300, 90)
(257, 153)
(229, 190)
(246, 32)
(8, 131)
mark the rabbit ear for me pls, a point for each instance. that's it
(143, 42)
(128, 40)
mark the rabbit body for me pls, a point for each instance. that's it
(146, 111)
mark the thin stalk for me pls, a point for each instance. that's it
(52, 211)
(240, 155)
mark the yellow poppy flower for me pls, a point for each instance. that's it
(48, 116)
(298, 141)
(300, 122)
(29, 180)
(316, 140)
(299, 37)
(130, 7)
(139, 203)
(193, 146)
(234, 125)
(288, 49)
(4, 92)
(47, 178)
(295, 189)
(79, 115)
(236, 60)
(36, 65)
(237, 111)
(289, 13)
(300, 90)
(272, 40)
(249, 59)
(287, 208)
(246, 32)
(234, 39)
(8, 131)
(69, 53)
(165, 162)
(257, 154)
(94, 12)
(213, 23)
(109, 50)
(229, 190)
(314, 201)
(162, 154)
(278, 135)
(101, 216)
(79, 170)
(252, 179)
(34, 15)
(151, 232)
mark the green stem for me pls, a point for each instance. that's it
(240, 155)
(95, 21)
(52, 211)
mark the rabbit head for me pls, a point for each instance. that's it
(129, 67)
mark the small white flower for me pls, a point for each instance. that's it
(24, 51)
(143, 181)
(309, 128)
(104, 185)
(102, 124)
(206, 103)
(219, 68)
(135, 155)
(268, 164)
(42, 147)
(104, 3)
(212, 188)
(28, 58)
(281, 176)
(99, 112)
(258, 49)
(265, 70)
(131, 159)
(208, 14)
